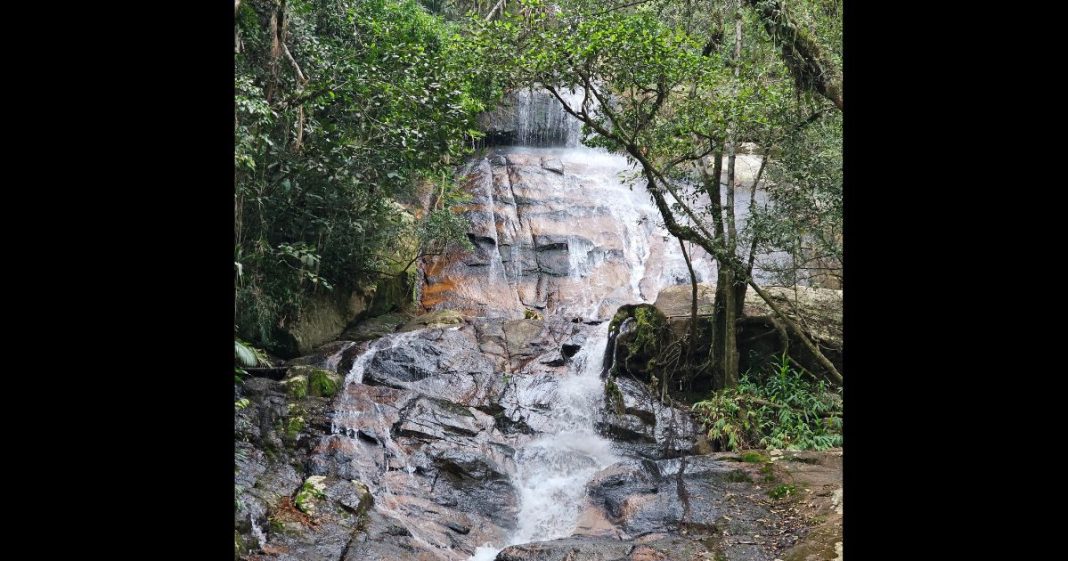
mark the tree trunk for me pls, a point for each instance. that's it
(727, 306)
(720, 351)
(693, 304)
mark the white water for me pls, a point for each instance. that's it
(390, 341)
(541, 121)
(258, 532)
(333, 360)
(552, 470)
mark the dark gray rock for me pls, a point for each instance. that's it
(642, 426)
(443, 363)
(568, 549)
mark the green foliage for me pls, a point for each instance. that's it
(805, 214)
(248, 356)
(787, 411)
(377, 99)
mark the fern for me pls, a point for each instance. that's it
(787, 411)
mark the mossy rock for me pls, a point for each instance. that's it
(294, 425)
(613, 395)
(323, 383)
(313, 491)
(303, 381)
(373, 328)
(296, 387)
(637, 348)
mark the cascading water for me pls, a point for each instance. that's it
(553, 469)
(535, 118)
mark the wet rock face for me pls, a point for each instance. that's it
(274, 437)
(418, 460)
(696, 495)
(643, 427)
(556, 231)
(531, 118)
(423, 430)
(444, 363)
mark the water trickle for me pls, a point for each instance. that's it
(333, 360)
(261, 538)
(390, 341)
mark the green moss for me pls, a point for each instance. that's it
(621, 315)
(614, 395)
(641, 346)
(783, 490)
(754, 458)
(294, 426)
(312, 490)
(323, 383)
(531, 314)
(297, 387)
(769, 473)
(650, 326)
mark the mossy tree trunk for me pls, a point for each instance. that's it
(811, 66)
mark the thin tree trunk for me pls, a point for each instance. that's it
(741, 288)
(726, 291)
(494, 10)
(276, 28)
(237, 29)
(720, 327)
(693, 303)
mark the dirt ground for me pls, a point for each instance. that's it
(805, 490)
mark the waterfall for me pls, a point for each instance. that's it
(533, 117)
(553, 469)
